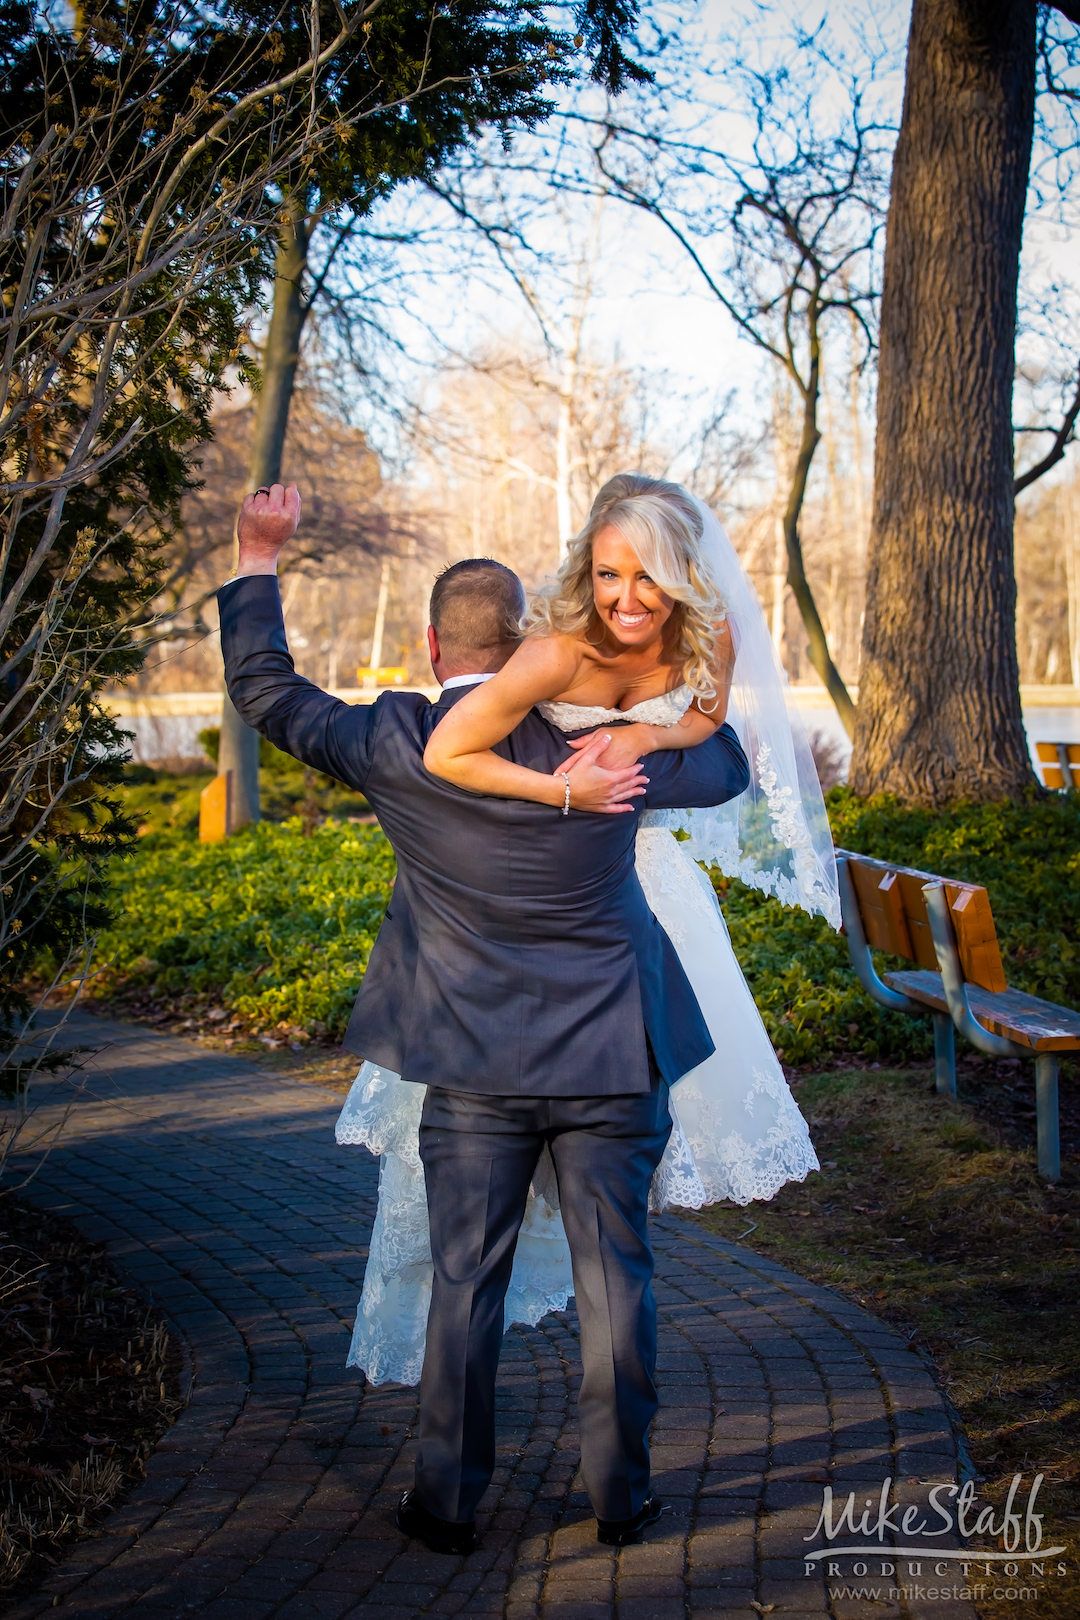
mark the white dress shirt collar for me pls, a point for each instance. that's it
(465, 680)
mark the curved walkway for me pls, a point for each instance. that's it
(222, 1194)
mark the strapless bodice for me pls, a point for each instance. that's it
(665, 710)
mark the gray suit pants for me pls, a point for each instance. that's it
(479, 1155)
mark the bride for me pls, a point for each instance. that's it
(650, 628)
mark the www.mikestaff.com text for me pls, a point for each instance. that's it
(931, 1594)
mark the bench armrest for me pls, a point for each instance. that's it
(861, 960)
(952, 979)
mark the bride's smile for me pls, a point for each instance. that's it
(629, 604)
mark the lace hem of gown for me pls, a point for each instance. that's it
(382, 1113)
(743, 1129)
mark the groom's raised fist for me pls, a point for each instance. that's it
(268, 517)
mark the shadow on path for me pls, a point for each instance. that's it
(221, 1193)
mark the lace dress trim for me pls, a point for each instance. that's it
(382, 1113)
(665, 710)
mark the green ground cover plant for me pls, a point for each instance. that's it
(158, 801)
(187, 920)
(274, 925)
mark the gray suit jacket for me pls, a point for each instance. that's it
(518, 955)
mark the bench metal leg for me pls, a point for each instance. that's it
(945, 1054)
(1046, 1115)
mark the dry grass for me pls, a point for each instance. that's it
(930, 1213)
(88, 1384)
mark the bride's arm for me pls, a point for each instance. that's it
(460, 748)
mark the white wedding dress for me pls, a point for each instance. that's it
(736, 1131)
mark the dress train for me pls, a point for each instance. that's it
(737, 1134)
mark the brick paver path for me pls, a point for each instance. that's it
(221, 1192)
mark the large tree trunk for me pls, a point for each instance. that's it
(939, 697)
(239, 751)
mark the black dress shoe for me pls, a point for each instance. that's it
(624, 1532)
(438, 1535)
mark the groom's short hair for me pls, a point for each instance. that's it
(476, 607)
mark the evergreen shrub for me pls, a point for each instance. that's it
(269, 924)
(278, 927)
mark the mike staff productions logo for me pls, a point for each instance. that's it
(901, 1548)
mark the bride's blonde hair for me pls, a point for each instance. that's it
(663, 526)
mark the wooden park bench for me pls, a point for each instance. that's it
(1060, 764)
(947, 928)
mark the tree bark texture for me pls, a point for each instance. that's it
(239, 750)
(939, 697)
(282, 353)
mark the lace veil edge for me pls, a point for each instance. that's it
(775, 837)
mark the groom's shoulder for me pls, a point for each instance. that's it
(400, 710)
(402, 703)
(398, 719)
(402, 718)
(405, 708)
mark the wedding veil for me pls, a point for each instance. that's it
(775, 836)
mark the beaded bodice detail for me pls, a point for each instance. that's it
(665, 710)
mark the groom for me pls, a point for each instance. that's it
(520, 976)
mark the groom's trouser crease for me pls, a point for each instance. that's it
(605, 1150)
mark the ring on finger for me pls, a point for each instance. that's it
(262, 490)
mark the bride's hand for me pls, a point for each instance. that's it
(601, 788)
(622, 746)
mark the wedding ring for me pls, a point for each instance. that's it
(262, 490)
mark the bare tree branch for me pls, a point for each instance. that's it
(1062, 439)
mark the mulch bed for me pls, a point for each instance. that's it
(930, 1213)
(199, 1016)
(89, 1381)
